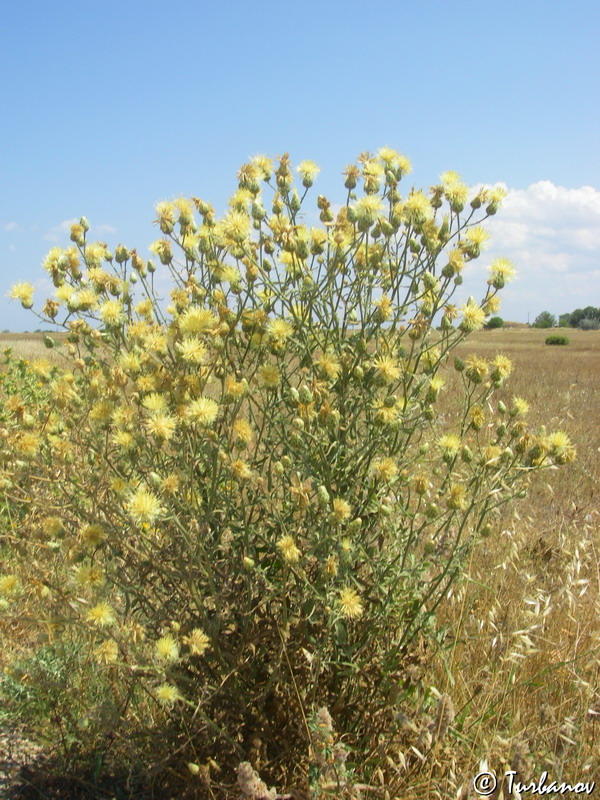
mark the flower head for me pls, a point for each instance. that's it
(167, 649)
(202, 411)
(350, 604)
(473, 316)
(101, 615)
(24, 293)
(288, 549)
(341, 509)
(501, 272)
(143, 506)
(308, 171)
(167, 695)
(9, 585)
(197, 641)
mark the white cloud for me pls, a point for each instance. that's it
(552, 235)
(104, 229)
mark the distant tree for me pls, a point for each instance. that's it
(589, 324)
(589, 312)
(564, 321)
(544, 320)
(494, 322)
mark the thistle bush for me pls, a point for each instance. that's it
(242, 502)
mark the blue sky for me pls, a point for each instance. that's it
(110, 107)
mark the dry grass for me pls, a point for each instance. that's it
(30, 346)
(526, 662)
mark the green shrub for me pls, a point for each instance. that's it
(494, 322)
(244, 502)
(557, 339)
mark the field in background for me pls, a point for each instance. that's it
(30, 346)
(523, 669)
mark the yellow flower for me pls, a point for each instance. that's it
(197, 320)
(501, 272)
(264, 165)
(191, 349)
(64, 293)
(417, 209)
(236, 227)
(520, 407)
(329, 365)
(280, 330)
(167, 695)
(143, 506)
(87, 575)
(130, 362)
(161, 425)
(350, 604)
(112, 313)
(341, 509)
(9, 585)
(449, 445)
(457, 497)
(241, 469)
(367, 209)
(308, 171)
(384, 468)
(270, 376)
(492, 304)
(288, 549)
(24, 293)
(560, 447)
(477, 417)
(202, 411)
(457, 194)
(101, 615)
(243, 430)
(107, 652)
(476, 368)
(233, 388)
(502, 367)
(477, 236)
(384, 307)
(388, 369)
(167, 649)
(197, 641)
(162, 248)
(473, 317)
(155, 402)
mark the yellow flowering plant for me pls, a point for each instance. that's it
(252, 472)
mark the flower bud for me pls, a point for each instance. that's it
(323, 496)
(501, 407)
(355, 526)
(459, 364)
(305, 395)
(466, 454)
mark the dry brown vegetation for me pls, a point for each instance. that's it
(523, 660)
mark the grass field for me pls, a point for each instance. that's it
(523, 669)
